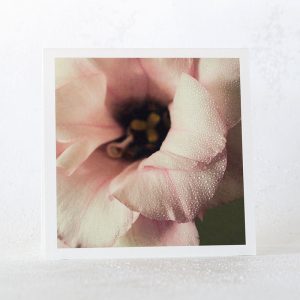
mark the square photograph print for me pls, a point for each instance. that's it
(148, 152)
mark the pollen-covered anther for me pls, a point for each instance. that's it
(147, 124)
(153, 120)
(152, 135)
(138, 125)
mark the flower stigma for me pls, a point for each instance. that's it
(146, 126)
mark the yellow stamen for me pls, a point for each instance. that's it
(116, 150)
(152, 135)
(153, 119)
(138, 125)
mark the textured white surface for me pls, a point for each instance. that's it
(263, 277)
(270, 29)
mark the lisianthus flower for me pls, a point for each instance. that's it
(142, 148)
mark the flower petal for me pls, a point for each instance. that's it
(164, 75)
(75, 154)
(61, 244)
(81, 101)
(231, 187)
(67, 69)
(179, 180)
(175, 192)
(83, 120)
(126, 78)
(146, 232)
(197, 130)
(221, 77)
(86, 214)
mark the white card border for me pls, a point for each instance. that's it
(49, 236)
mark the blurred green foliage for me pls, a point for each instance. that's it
(223, 225)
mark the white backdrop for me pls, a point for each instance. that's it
(270, 29)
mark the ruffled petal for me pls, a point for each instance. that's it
(86, 214)
(231, 187)
(67, 69)
(82, 119)
(79, 142)
(221, 77)
(179, 180)
(175, 192)
(126, 79)
(146, 232)
(82, 102)
(197, 130)
(76, 153)
(164, 75)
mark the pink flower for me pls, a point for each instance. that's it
(110, 195)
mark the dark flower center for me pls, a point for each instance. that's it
(146, 124)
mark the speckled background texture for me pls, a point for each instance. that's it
(271, 31)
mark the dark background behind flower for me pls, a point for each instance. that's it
(223, 225)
